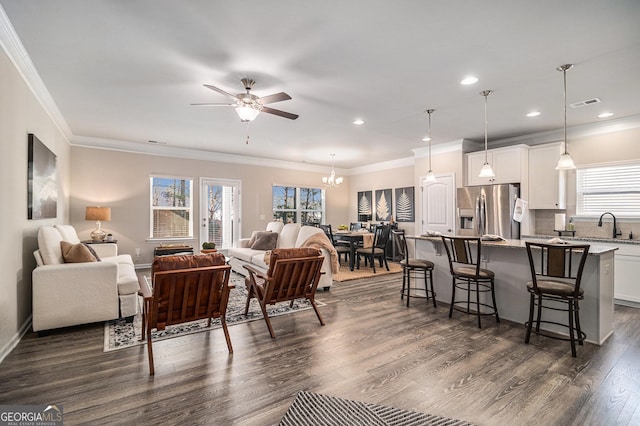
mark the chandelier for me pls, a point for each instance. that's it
(332, 180)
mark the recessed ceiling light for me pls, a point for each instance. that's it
(533, 114)
(358, 121)
(426, 139)
(605, 115)
(469, 80)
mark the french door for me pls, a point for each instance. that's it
(219, 212)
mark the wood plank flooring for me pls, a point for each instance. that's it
(373, 349)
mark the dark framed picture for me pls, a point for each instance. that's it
(365, 206)
(405, 204)
(384, 205)
(42, 188)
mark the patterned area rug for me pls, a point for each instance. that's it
(119, 334)
(345, 274)
(316, 409)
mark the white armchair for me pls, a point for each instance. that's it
(66, 294)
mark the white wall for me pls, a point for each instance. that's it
(21, 114)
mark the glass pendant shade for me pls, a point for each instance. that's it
(565, 162)
(247, 113)
(487, 171)
(431, 177)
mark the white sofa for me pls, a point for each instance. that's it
(66, 294)
(291, 235)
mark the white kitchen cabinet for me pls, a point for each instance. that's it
(547, 186)
(509, 164)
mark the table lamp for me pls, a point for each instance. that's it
(98, 214)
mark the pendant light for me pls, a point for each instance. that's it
(487, 170)
(431, 177)
(565, 162)
(332, 181)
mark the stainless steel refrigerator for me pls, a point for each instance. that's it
(487, 210)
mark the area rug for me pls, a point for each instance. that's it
(315, 409)
(345, 274)
(119, 334)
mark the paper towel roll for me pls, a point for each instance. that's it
(560, 222)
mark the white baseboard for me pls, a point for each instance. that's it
(6, 350)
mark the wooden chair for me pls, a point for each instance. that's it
(467, 276)
(378, 249)
(293, 274)
(413, 265)
(556, 273)
(185, 288)
(343, 248)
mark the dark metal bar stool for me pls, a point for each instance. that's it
(556, 273)
(468, 276)
(409, 265)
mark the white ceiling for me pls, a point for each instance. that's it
(124, 72)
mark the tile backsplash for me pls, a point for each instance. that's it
(545, 220)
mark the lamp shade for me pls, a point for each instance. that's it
(247, 113)
(98, 213)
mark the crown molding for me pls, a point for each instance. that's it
(440, 148)
(193, 154)
(14, 49)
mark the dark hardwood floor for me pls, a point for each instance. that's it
(373, 349)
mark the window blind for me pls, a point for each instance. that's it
(608, 188)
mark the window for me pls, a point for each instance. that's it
(171, 207)
(298, 205)
(615, 189)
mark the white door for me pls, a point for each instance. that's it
(219, 211)
(438, 205)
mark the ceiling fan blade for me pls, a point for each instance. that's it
(215, 89)
(280, 113)
(210, 104)
(276, 97)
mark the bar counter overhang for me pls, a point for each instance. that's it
(508, 260)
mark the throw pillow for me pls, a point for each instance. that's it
(76, 253)
(255, 235)
(266, 241)
(93, 252)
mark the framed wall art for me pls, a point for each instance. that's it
(42, 188)
(384, 205)
(365, 206)
(405, 204)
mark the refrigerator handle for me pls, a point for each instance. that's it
(481, 215)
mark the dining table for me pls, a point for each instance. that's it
(354, 238)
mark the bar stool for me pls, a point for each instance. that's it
(556, 273)
(409, 265)
(468, 276)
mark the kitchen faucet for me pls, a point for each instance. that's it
(615, 229)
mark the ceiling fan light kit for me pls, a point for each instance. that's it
(248, 106)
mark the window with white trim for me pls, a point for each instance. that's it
(171, 207)
(298, 205)
(614, 189)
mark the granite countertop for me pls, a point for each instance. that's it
(594, 239)
(520, 244)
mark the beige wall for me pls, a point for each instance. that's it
(21, 114)
(120, 180)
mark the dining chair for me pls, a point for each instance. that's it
(378, 249)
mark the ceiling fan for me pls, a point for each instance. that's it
(248, 105)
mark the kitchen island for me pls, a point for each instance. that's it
(508, 260)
